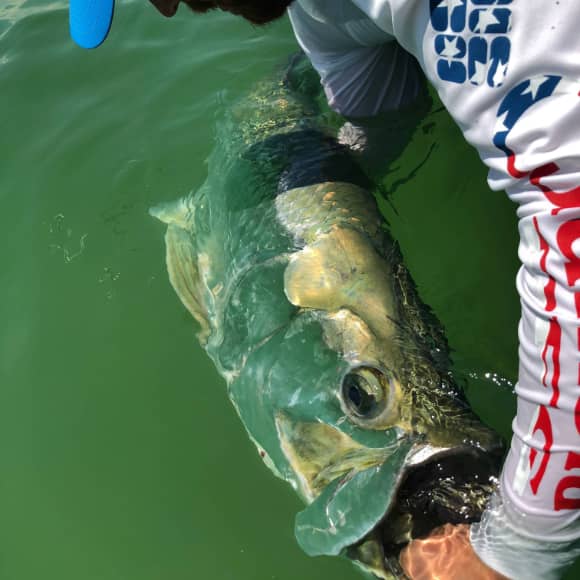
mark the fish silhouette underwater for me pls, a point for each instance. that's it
(338, 371)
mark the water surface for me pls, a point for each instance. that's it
(121, 458)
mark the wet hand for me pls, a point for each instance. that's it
(445, 555)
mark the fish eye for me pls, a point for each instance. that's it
(368, 397)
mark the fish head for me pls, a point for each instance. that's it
(343, 434)
(353, 404)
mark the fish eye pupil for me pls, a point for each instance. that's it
(361, 399)
(355, 395)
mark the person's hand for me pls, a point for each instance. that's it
(445, 555)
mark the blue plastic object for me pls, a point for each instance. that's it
(90, 21)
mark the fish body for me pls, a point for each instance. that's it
(338, 371)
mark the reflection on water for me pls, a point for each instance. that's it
(64, 241)
(12, 11)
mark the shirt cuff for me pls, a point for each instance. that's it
(503, 543)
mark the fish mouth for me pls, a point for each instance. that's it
(451, 486)
(438, 486)
(371, 514)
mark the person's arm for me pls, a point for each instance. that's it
(363, 71)
(367, 78)
(532, 528)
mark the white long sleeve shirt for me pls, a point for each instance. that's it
(508, 71)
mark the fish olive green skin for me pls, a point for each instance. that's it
(339, 373)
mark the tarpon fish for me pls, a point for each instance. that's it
(339, 373)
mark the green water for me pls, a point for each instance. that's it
(120, 456)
